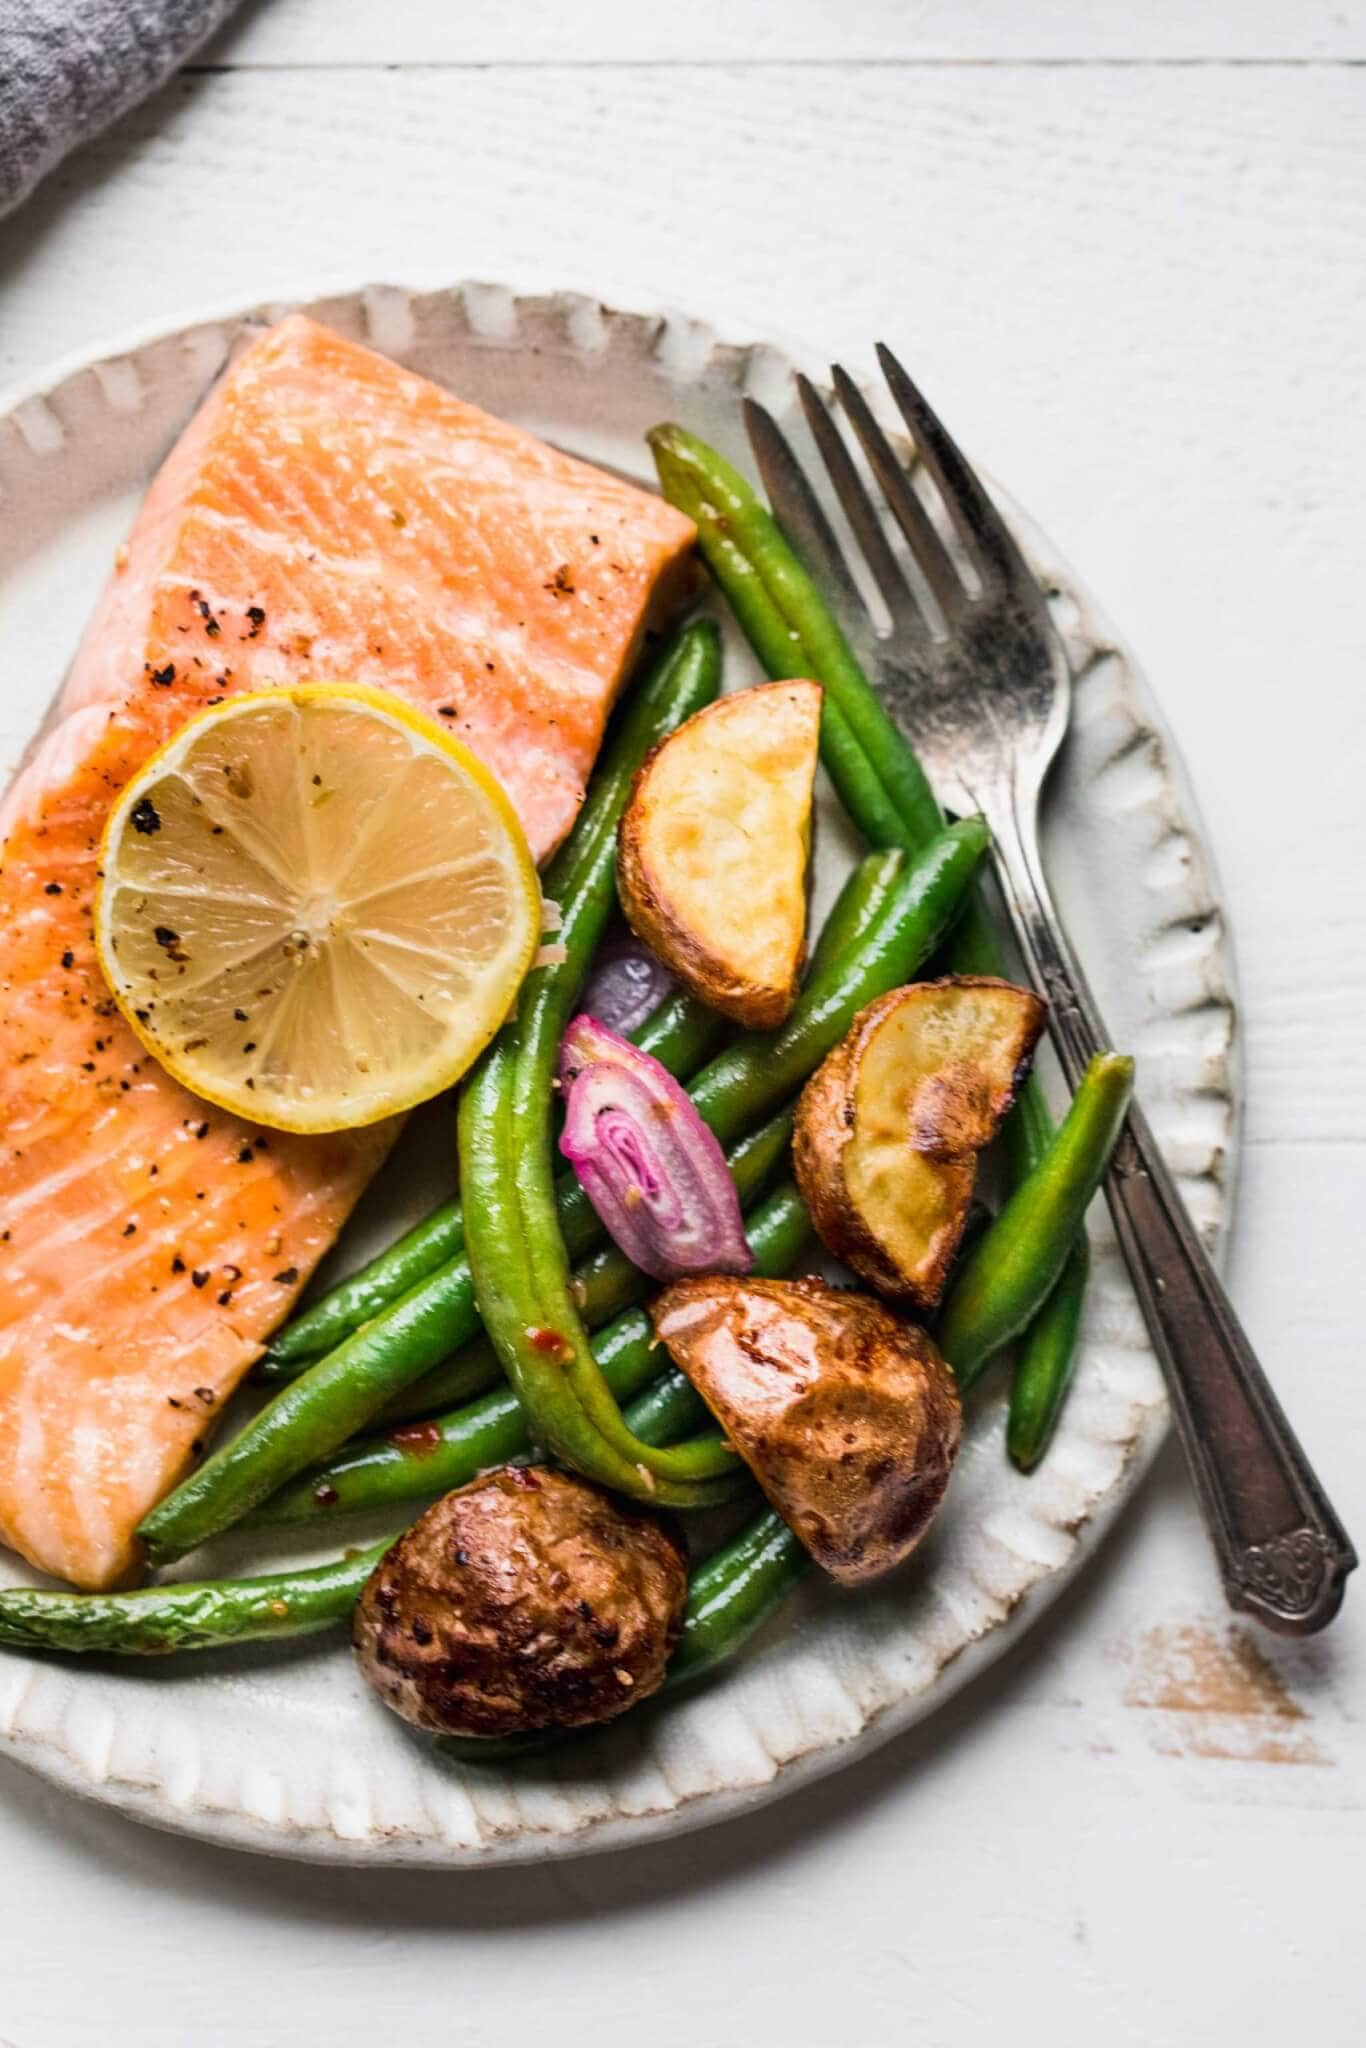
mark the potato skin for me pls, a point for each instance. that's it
(646, 897)
(954, 1117)
(848, 1418)
(527, 1600)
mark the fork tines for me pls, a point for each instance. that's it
(991, 552)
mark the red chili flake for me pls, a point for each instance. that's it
(417, 1439)
(548, 1341)
(523, 1477)
(326, 1496)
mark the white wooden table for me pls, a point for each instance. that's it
(1123, 248)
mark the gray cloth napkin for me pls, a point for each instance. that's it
(70, 67)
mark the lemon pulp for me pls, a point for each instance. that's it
(315, 906)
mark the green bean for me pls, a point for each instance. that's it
(667, 1410)
(515, 1248)
(791, 628)
(446, 1451)
(606, 1282)
(855, 909)
(316, 1412)
(681, 1033)
(1011, 1271)
(735, 1592)
(520, 1267)
(471, 1370)
(334, 1398)
(324, 1323)
(158, 1621)
(1046, 1351)
(785, 615)
(1043, 1370)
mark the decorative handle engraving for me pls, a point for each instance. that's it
(1294, 1574)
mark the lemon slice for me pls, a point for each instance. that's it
(315, 906)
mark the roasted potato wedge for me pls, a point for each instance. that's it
(890, 1125)
(848, 1419)
(714, 844)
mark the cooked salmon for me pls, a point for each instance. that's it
(326, 514)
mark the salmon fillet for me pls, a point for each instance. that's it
(327, 515)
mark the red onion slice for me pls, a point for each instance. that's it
(655, 1174)
(625, 984)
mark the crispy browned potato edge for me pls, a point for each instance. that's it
(952, 1116)
(848, 1418)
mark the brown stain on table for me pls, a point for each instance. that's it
(1219, 1696)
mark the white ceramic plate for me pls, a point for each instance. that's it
(283, 1749)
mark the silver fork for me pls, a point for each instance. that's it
(975, 674)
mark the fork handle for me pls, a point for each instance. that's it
(1283, 1553)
